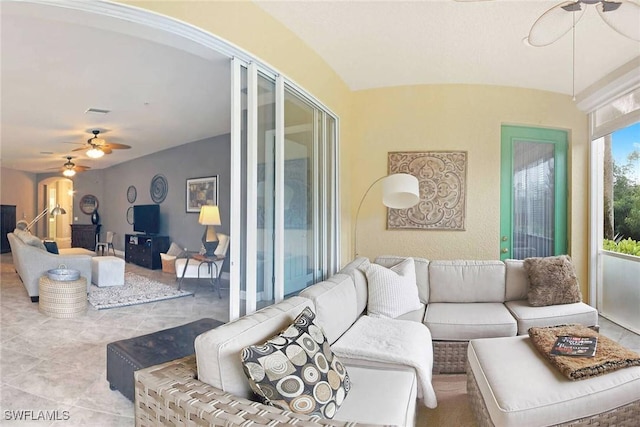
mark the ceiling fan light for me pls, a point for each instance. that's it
(68, 173)
(95, 153)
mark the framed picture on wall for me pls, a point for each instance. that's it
(200, 192)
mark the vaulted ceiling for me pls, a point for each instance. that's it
(164, 91)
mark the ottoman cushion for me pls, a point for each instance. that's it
(126, 356)
(520, 388)
(107, 271)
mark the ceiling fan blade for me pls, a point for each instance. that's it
(106, 149)
(79, 168)
(554, 23)
(80, 148)
(625, 19)
(116, 146)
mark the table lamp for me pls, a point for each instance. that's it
(209, 217)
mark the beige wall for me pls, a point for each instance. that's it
(373, 122)
(468, 118)
(247, 26)
(19, 188)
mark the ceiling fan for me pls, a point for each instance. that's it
(69, 169)
(97, 147)
(623, 16)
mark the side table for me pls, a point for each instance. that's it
(62, 299)
(212, 265)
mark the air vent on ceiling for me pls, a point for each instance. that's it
(97, 111)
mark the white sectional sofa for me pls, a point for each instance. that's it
(459, 301)
(32, 261)
(466, 300)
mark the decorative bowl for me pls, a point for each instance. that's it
(63, 274)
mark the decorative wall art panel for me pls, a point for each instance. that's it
(443, 187)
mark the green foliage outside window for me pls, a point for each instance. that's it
(626, 246)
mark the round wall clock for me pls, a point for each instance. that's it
(159, 188)
(130, 215)
(132, 193)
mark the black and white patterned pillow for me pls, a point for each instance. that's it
(297, 371)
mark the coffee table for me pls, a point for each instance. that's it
(510, 384)
(127, 356)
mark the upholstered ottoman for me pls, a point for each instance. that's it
(510, 384)
(107, 271)
(126, 356)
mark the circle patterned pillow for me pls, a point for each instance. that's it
(297, 371)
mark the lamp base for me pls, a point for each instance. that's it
(210, 247)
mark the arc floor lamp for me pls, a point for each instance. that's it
(399, 191)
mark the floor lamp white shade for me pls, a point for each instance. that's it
(399, 191)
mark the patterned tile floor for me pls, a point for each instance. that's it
(59, 365)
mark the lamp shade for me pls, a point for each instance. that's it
(209, 215)
(58, 211)
(400, 191)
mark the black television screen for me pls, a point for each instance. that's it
(146, 219)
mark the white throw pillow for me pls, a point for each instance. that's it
(392, 291)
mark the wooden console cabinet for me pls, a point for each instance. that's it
(144, 250)
(8, 224)
(84, 236)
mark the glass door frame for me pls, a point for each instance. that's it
(248, 248)
(559, 138)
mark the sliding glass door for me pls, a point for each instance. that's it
(284, 168)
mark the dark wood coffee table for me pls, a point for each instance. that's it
(127, 356)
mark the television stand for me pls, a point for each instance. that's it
(144, 250)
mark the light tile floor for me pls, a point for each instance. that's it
(59, 365)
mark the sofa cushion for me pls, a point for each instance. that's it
(422, 272)
(561, 314)
(51, 246)
(516, 281)
(218, 350)
(465, 321)
(335, 302)
(30, 239)
(466, 281)
(552, 280)
(380, 396)
(392, 291)
(354, 269)
(297, 371)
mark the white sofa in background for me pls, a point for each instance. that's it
(459, 300)
(32, 261)
(467, 299)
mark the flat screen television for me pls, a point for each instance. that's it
(146, 219)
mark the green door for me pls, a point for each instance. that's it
(533, 192)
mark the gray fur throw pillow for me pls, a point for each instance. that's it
(552, 280)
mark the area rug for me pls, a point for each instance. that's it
(137, 289)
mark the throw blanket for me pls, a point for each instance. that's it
(401, 342)
(609, 354)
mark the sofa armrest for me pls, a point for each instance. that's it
(34, 262)
(169, 393)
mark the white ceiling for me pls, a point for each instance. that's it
(164, 91)
(57, 63)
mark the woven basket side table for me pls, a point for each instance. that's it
(62, 299)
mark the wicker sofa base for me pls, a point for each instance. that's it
(450, 357)
(170, 394)
(623, 416)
